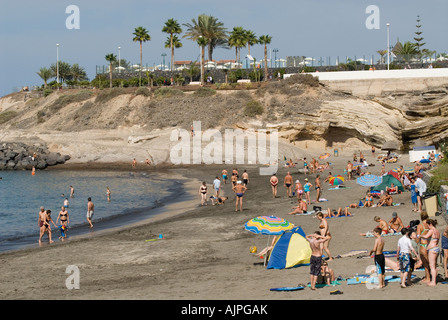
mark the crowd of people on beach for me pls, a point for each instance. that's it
(45, 220)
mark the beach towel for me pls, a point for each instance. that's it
(287, 288)
(370, 235)
(340, 188)
(351, 254)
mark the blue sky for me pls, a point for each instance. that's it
(319, 28)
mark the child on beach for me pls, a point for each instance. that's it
(379, 259)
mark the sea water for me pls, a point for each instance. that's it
(134, 197)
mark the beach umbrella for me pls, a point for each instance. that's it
(406, 169)
(336, 181)
(270, 225)
(369, 180)
(324, 156)
(393, 173)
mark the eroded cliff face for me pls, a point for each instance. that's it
(303, 113)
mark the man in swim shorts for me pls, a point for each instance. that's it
(224, 176)
(315, 241)
(239, 189)
(380, 261)
(287, 182)
(318, 188)
(90, 211)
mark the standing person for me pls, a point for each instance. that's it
(349, 170)
(306, 190)
(325, 232)
(299, 191)
(66, 203)
(379, 259)
(287, 182)
(404, 250)
(318, 188)
(203, 193)
(445, 251)
(274, 183)
(245, 177)
(217, 186)
(315, 240)
(305, 166)
(47, 226)
(42, 217)
(72, 192)
(421, 188)
(108, 194)
(422, 229)
(90, 211)
(224, 176)
(433, 249)
(414, 195)
(64, 220)
(239, 189)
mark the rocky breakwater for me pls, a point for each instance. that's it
(19, 156)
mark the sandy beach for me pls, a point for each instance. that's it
(205, 250)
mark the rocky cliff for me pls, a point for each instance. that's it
(99, 125)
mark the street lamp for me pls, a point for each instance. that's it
(57, 64)
(200, 54)
(388, 46)
(119, 60)
(275, 56)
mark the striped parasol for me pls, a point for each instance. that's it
(369, 180)
(270, 225)
(336, 181)
(406, 169)
(324, 156)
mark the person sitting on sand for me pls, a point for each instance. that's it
(381, 224)
(385, 200)
(369, 200)
(392, 189)
(327, 179)
(395, 223)
(327, 274)
(339, 213)
(302, 207)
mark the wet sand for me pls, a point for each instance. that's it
(204, 253)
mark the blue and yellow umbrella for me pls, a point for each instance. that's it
(269, 225)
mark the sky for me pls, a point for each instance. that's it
(30, 30)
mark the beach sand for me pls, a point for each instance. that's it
(204, 253)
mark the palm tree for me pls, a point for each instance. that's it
(173, 42)
(382, 53)
(172, 27)
(238, 40)
(202, 42)
(45, 74)
(77, 73)
(251, 39)
(407, 50)
(265, 39)
(208, 27)
(141, 35)
(111, 58)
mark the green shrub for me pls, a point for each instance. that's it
(47, 92)
(166, 92)
(64, 100)
(142, 91)
(253, 108)
(108, 94)
(439, 177)
(204, 92)
(6, 116)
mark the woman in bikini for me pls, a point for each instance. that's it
(325, 232)
(63, 218)
(422, 230)
(299, 191)
(433, 249)
(203, 193)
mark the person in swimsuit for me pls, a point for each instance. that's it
(108, 194)
(395, 223)
(224, 176)
(445, 251)
(287, 182)
(306, 190)
(305, 166)
(404, 250)
(299, 191)
(274, 183)
(422, 229)
(64, 220)
(380, 261)
(40, 222)
(203, 193)
(433, 249)
(245, 177)
(369, 200)
(315, 240)
(318, 188)
(325, 232)
(239, 189)
(300, 208)
(382, 225)
(90, 211)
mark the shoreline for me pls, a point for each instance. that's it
(205, 251)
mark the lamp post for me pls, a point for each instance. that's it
(119, 60)
(200, 54)
(275, 56)
(163, 64)
(57, 64)
(388, 46)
